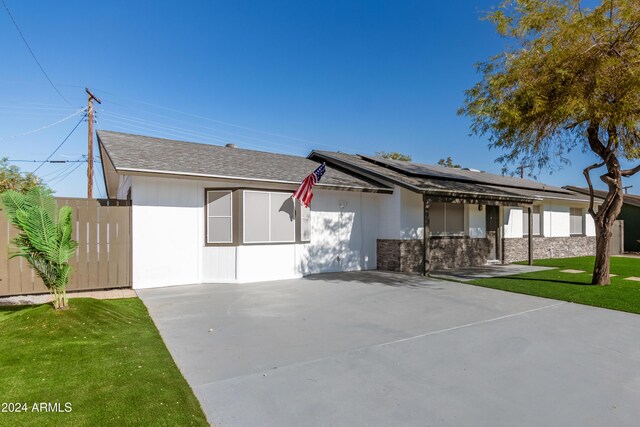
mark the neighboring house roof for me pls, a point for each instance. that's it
(629, 199)
(136, 154)
(433, 180)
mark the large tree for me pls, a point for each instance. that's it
(570, 80)
(12, 178)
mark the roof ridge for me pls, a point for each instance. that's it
(137, 135)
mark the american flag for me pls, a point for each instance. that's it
(304, 193)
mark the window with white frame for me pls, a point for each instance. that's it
(219, 217)
(446, 219)
(305, 223)
(269, 217)
(576, 218)
(537, 221)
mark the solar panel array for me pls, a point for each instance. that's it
(457, 174)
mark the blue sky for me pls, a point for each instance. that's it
(282, 76)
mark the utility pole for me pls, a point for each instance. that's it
(626, 189)
(90, 147)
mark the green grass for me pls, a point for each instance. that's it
(105, 357)
(622, 295)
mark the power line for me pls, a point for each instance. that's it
(35, 107)
(44, 127)
(208, 128)
(219, 121)
(57, 174)
(178, 131)
(61, 144)
(59, 179)
(46, 161)
(33, 54)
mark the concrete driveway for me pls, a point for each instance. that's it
(382, 349)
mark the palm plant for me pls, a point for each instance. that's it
(45, 237)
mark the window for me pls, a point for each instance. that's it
(269, 217)
(446, 219)
(576, 218)
(537, 221)
(219, 217)
(305, 224)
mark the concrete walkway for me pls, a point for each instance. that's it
(380, 349)
(466, 274)
(45, 298)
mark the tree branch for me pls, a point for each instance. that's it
(630, 172)
(594, 140)
(586, 174)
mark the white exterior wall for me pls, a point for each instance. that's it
(555, 220)
(167, 232)
(344, 230)
(512, 222)
(389, 214)
(589, 225)
(411, 211)
(169, 243)
(411, 215)
(476, 221)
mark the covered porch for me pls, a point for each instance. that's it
(460, 228)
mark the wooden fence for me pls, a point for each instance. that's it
(103, 259)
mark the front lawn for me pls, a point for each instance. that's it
(105, 358)
(623, 295)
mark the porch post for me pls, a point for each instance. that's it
(426, 238)
(530, 237)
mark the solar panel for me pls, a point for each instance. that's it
(441, 172)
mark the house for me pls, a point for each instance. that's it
(204, 214)
(630, 214)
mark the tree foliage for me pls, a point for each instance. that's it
(394, 155)
(448, 163)
(12, 178)
(571, 79)
(45, 237)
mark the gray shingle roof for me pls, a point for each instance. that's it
(433, 179)
(137, 153)
(629, 199)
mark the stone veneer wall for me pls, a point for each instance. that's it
(446, 252)
(517, 249)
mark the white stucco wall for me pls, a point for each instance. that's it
(167, 230)
(555, 220)
(589, 225)
(410, 212)
(512, 222)
(476, 220)
(411, 215)
(169, 248)
(389, 214)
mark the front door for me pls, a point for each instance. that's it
(493, 222)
